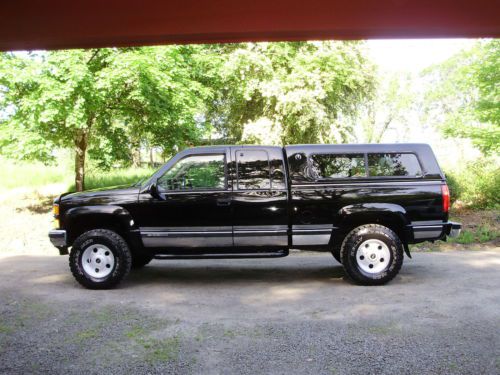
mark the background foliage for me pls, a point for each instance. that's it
(463, 96)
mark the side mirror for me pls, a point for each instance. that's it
(153, 190)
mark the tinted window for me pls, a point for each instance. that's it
(393, 165)
(253, 169)
(277, 174)
(297, 164)
(195, 172)
(338, 165)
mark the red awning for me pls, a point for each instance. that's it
(51, 24)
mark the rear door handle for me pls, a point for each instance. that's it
(223, 201)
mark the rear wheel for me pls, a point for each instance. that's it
(372, 254)
(100, 259)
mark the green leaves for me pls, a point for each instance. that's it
(300, 88)
(466, 89)
(111, 97)
(108, 103)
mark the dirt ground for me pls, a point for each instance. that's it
(294, 315)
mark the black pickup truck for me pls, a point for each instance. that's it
(362, 203)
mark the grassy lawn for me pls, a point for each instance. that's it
(36, 175)
(114, 177)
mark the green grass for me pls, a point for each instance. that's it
(162, 350)
(114, 177)
(14, 174)
(481, 234)
(33, 174)
(4, 329)
(87, 334)
(135, 332)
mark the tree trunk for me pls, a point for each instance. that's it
(151, 157)
(384, 129)
(136, 157)
(81, 142)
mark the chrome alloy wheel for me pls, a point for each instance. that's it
(98, 261)
(373, 256)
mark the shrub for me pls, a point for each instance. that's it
(477, 184)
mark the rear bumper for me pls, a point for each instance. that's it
(453, 229)
(430, 231)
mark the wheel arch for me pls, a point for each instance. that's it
(392, 216)
(78, 220)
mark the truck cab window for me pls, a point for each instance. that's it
(277, 174)
(195, 172)
(253, 169)
(326, 166)
(394, 165)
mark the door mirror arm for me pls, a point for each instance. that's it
(153, 190)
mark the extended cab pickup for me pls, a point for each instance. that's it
(362, 203)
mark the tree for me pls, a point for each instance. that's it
(109, 104)
(98, 101)
(463, 95)
(389, 108)
(305, 90)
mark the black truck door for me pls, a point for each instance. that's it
(260, 197)
(193, 204)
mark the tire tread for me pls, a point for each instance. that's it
(373, 229)
(125, 258)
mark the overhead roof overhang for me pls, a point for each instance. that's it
(54, 24)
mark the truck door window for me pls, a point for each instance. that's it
(253, 169)
(394, 164)
(297, 164)
(195, 172)
(330, 166)
(277, 174)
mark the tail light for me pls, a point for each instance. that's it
(445, 192)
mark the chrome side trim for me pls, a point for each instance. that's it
(311, 234)
(314, 186)
(187, 229)
(261, 240)
(184, 234)
(312, 226)
(216, 236)
(308, 239)
(260, 227)
(427, 231)
(424, 223)
(261, 235)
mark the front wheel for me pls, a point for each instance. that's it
(100, 259)
(372, 254)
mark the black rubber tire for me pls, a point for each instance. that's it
(140, 260)
(350, 247)
(119, 248)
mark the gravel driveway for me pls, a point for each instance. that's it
(295, 315)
